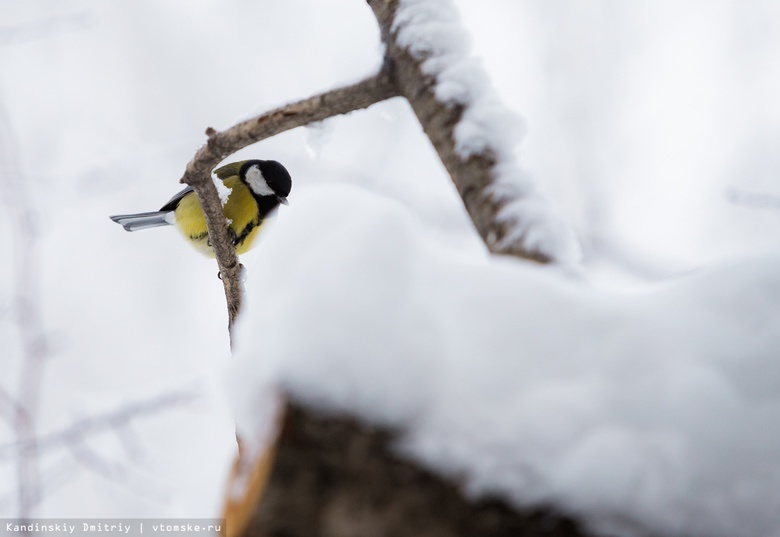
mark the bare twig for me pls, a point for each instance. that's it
(116, 472)
(130, 442)
(26, 301)
(93, 461)
(26, 307)
(80, 430)
(54, 478)
(753, 200)
(222, 144)
(8, 406)
(74, 439)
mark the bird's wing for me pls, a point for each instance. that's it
(174, 201)
(229, 170)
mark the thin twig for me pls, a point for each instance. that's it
(78, 431)
(9, 408)
(130, 442)
(54, 478)
(116, 472)
(26, 307)
(222, 144)
(753, 200)
(93, 461)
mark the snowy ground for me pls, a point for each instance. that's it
(643, 123)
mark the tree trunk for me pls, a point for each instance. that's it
(336, 477)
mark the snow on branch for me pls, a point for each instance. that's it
(473, 133)
(337, 476)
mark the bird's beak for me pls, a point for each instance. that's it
(283, 201)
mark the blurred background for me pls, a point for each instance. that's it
(652, 127)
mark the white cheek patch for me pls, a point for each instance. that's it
(256, 181)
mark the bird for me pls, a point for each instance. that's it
(257, 188)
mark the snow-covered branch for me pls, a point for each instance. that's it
(473, 133)
(334, 475)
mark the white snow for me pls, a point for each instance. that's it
(611, 92)
(651, 411)
(318, 134)
(431, 30)
(222, 189)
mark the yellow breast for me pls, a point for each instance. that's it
(240, 210)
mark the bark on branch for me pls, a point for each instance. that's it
(222, 144)
(84, 428)
(334, 476)
(474, 176)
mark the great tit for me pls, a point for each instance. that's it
(257, 187)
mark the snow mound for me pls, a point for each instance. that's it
(654, 411)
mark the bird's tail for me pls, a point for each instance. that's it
(135, 222)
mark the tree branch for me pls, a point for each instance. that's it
(81, 429)
(475, 173)
(753, 200)
(336, 476)
(9, 408)
(222, 144)
(27, 310)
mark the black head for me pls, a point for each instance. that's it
(266, 178)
